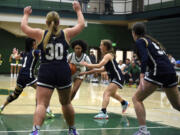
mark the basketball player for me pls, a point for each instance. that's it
(160, 72)
(26, 74)
(54, 71)
(76, 57)
(109, 64)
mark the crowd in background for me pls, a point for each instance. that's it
(130, 69)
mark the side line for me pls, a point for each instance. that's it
(87, 129)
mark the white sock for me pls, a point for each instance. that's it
(48, 109)
(143, 128)
(36, 127)
(2, 106)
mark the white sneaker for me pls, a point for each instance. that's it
(73, 132)
(140, 132)
(101, 115)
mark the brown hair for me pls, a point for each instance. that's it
(52, 20)
(140, 30)
(108, 45)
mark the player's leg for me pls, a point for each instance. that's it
(138, 98)
(13, 96)
(77, 84)
(173, 95)
(67, 108)
(43, 96)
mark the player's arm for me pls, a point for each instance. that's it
(142, 49)
(72, 32)
(141, 45)
(105, 59)
(69, 57)
(34, 33)
(93, 71)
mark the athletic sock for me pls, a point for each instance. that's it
(36, 127)
(123, 102)
(48, 109)
(103, 110)
(143, 128)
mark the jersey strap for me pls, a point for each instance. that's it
(145, 41)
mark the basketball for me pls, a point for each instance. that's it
(73, 68)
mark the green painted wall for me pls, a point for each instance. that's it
(94, 33)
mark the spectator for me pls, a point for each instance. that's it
(126, 69)
(121, 66)
(85, 4)
(93, 77)
(92, 57)
(108, 7)
(134, 72)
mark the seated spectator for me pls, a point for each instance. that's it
(126, 69)
(121, 66)
(134, 72)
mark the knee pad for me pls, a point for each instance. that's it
(14, 95)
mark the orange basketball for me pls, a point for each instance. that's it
(73, 68)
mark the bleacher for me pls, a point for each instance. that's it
(162, 5)
(38, 4)
(167, 31)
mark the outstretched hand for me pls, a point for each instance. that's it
(76, 6)
(82, 73)
(84, 63)
(28, 10)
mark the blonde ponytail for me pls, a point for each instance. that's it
(52, 19)
(48, 35)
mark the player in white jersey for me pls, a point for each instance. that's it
(76, 57)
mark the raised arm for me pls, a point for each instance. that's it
(34, 33)
(72, 32)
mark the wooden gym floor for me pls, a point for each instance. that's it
(17, 117)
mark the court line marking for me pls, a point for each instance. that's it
(87, 129)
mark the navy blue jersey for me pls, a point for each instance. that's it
(113, 70)
(153, 58)
(54, 71)
(56, 49)
(29, 61)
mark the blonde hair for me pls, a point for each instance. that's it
(52, 20)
